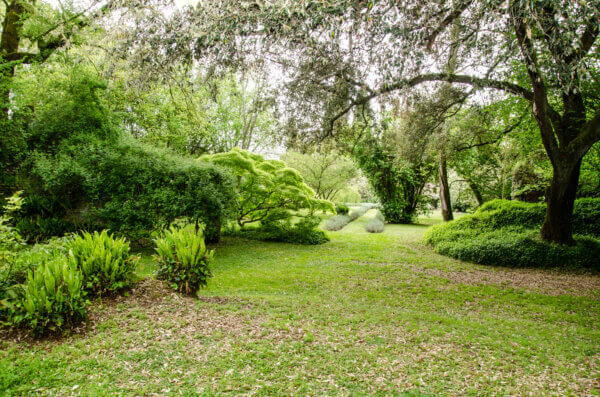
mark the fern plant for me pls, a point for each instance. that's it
(183, 258)
(105, 262)
(52, 297)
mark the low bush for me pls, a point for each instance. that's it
(357, 213)
(337, 222)
(183, 259)
(506, 233)
(52, 297)
(374, 226)
(341, 209)
(304, 232)
(380, 216)
(105, 262)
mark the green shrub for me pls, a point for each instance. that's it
(380, 216)
(374, 226)
(183, 259)
(105, 262)
(506, 233)
(52, 297)
(341, 209)
(586, 217)
(304, 232)
(337, 222)
(355, 214)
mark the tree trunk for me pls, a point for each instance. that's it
(445, 201)
(560, 199)
(476, 192)
(9, 45)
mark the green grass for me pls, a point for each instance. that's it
(363, 314)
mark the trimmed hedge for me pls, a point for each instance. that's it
(506, 233)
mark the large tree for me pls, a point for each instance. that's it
(540, 51)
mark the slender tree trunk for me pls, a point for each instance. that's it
(445, 201)
(558, 225)
(476, 192)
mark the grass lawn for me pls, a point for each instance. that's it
(363, 314)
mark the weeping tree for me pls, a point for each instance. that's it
(265, 187)
(538, 51)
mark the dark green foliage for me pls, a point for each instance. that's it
(341, 209)
(397, 184)
(586, 216)
(105, 262)
(505, 233)
(183, 259)
(83, 173)
(280, 227)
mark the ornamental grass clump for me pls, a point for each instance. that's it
(105, 262)
(374, 226)
(183, 258)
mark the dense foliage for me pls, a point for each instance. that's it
(105, 262)
(281, 226)
(183, 259)
(82, 172)
(265, 186)
(503, 233)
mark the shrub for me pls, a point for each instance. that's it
(355, 214)
(337, 222)
(341, 209)
(183, 259)
(279, 229)
(105, 262)
(374, 226)
(52, 297)
(586, 217)
(506, 233)
(380, 216)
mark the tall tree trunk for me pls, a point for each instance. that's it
(560, 199)
(445, 201)
(9, 46)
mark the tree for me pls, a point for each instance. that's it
(264, 186)
(387, 42)
(326, 173)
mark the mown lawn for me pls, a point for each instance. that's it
(363, 314)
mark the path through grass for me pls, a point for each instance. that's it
(363, 314)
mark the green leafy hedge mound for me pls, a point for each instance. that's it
(506, 233)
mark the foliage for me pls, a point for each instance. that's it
(280, 226)
(374, 225)
(326, 173)
(357, 213)
(183, 258)
(398, 167)
(53, 297)
(264, 186)
(105, 262)
(502, 233)
(84, 173)
(341, 209)
(337, 222)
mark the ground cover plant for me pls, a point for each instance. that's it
(504, 233)
(363, 314)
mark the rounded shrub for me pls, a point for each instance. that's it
(506, 233)
(374, 226)
(183, 259)
(105, 262)
(341, 209)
